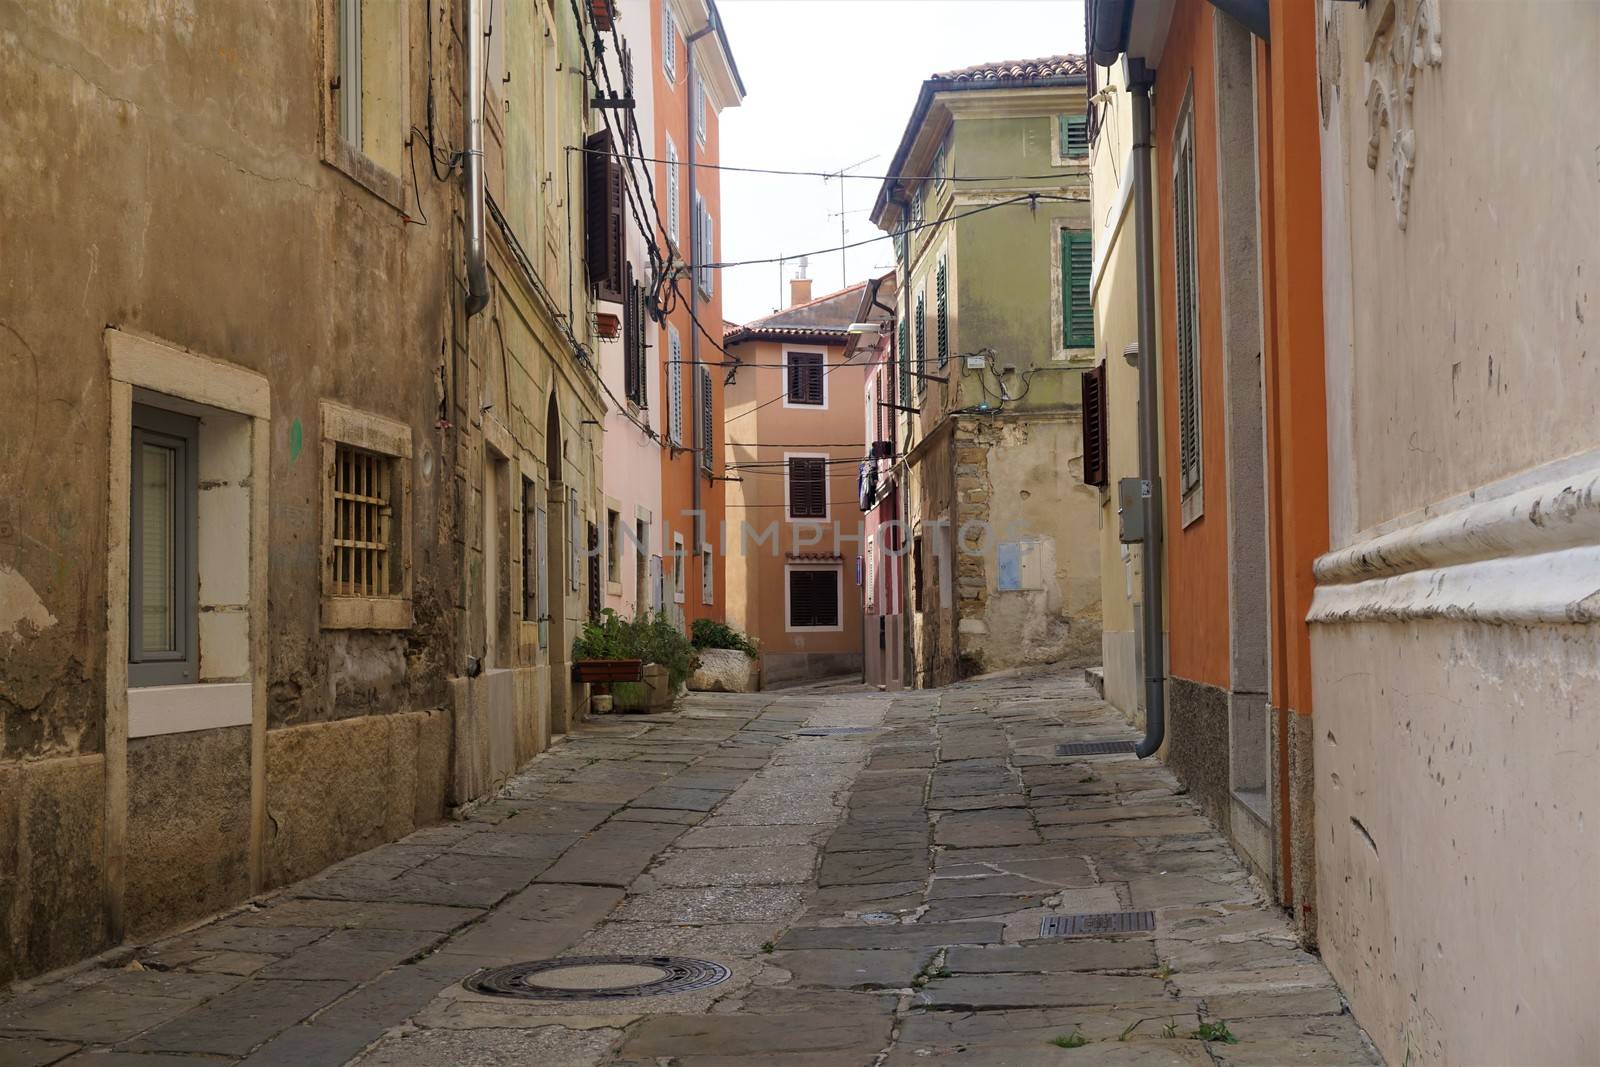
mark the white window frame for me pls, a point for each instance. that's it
(838, 576)
(669, 43)
(674, 208)
(674, 386)
(1073, 223)
(697, 90)
(708, 252)
(806, 350)
(708, 581)
(679, 556)
(827, 505)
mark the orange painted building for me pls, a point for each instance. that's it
(695, 79)
(1235, 188)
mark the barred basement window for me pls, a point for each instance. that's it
(363, 524)
(366, 574)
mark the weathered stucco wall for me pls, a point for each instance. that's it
(1454, 630)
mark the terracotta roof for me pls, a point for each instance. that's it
(1017, 70)
(829, 314)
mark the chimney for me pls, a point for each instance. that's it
(799, 291)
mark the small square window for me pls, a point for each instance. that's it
(366, 577)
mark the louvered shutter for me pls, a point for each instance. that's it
(632, 340)
(708, 252)
(675, 387)
(594, 571)
(808, 486)
(707, 445)
(1096, 465)
(1074, 136)
(903, 358)
(942, 311)
(1187, 315)
(805, 378)
(813, 598)
(1077, 306)
(922, 340)
(674, 227)
(603, 216)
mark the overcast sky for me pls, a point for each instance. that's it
(832, 82)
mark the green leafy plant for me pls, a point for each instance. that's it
(1170, 1030)
(766, 946)
(1217, 1031)
(1072, 1040)
(709, 633)
(650, 637)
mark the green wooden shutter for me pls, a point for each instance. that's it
(903, 357)
(922, 340)
(1077, 307)
(1074, 136)
(942, 299)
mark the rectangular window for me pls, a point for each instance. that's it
(593, 551)
(634, 365)
(808, 487)
(708, 444)
(922, 341)
(805, 373)
(1077, 307)
(942, 311)
(1187, 311)
(669, 43)
(162, 552)
(613, 547)
(916, 573)
(698, 91)
(1096, 462)
(364, 497)
(674, 386)
(368, 81)
(641, 565)
(678, 566)
(532, 567)
(1074, 135)
(814, 599)
(673, 222)
(706, 275)
(708, 577)
(902, 356)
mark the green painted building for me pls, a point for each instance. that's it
(988, 197)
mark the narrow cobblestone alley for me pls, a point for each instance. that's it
(870, 870)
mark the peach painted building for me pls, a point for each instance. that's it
(795, 440)
(695, 79)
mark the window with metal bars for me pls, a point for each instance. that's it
(362, 562)
(1186, 311)
(1074, 134)
(1077, 305)
(814, 599)
(922, 341)
(808, 487)
(805, 372)
(707, 437)
(942, 311)
(1096, 464)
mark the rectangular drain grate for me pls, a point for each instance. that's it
(1111, 922)
(1095, 748)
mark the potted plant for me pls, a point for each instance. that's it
(640, 662)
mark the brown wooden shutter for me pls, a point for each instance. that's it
(594, 571)
(808, 488)
(805, 378)
(813, 598)
(1096, 464)
(603, 211)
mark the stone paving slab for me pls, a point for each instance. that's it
(876, 898)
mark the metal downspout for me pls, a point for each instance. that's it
(477, 270)
(1155, 725)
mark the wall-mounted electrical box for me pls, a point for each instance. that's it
(1131, 493)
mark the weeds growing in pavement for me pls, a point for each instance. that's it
(1072, 1040)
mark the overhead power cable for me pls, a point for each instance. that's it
(866, 177)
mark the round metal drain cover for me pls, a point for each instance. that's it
(880, 918)
(598, 978)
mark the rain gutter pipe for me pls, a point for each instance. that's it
(477, 270)
(1155, 722)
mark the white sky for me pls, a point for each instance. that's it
(831, 82)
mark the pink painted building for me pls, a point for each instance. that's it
(883, 535)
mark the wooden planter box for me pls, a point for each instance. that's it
(606, 671)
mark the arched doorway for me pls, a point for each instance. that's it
(553, 598)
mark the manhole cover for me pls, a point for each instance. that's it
(829, 731)
(1111, 922)
(880, 918)
(1095, 748)
(598, 978)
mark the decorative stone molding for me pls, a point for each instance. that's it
(1398, 48)
(1527, 556)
